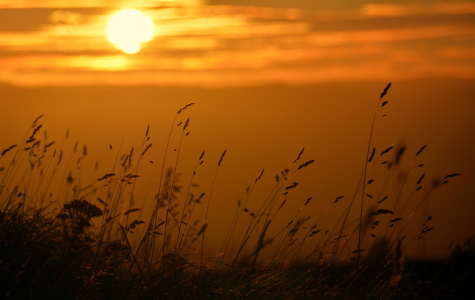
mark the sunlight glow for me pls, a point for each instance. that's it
(231, 45)
(128, 28)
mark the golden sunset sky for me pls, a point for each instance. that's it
(268, 77)
(223, 44)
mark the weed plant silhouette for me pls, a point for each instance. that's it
(63, 239)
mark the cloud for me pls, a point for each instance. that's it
(461, 52)
(237, 45)
(417, 8)
(387, 69)
(95, 3)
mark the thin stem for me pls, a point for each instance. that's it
(207, 208)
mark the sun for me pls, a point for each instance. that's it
(128, 28)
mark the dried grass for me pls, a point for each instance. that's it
(165, 257)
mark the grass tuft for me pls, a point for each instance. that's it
(64, 235)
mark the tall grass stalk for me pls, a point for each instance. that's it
(51, 248)
(205, 225)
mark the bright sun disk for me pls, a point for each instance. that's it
(128, 28)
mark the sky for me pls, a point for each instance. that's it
(223, 45)
(268, 78)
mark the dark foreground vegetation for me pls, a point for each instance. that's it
(37, 262)
(75, 241)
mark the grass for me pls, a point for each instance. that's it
(62, 238)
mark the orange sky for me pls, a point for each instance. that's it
(231, 45)
(267, 82)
